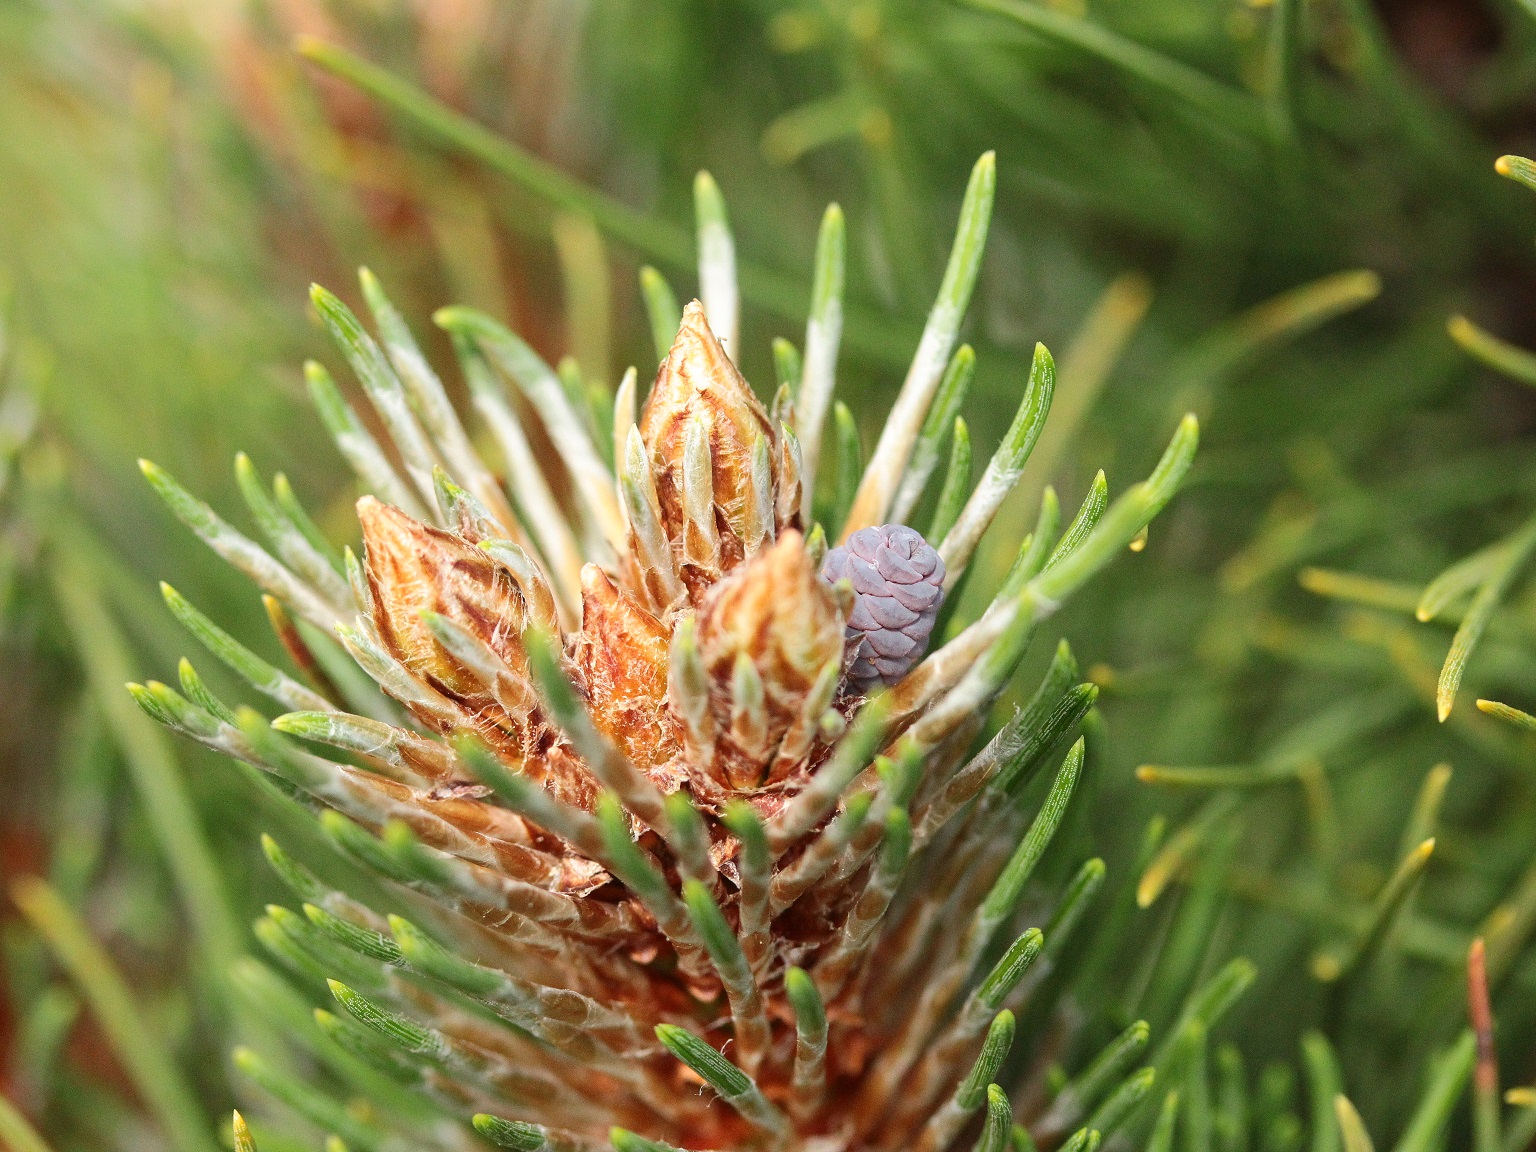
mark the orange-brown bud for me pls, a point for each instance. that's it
(621, 656)
(699, 386)
(778, 614)
(413, 568)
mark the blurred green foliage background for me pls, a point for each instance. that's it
(1263, 211)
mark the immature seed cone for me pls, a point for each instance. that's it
(898, 587)
(678, 842)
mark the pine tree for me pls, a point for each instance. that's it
(664, 792)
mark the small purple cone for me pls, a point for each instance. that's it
(898, 585)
